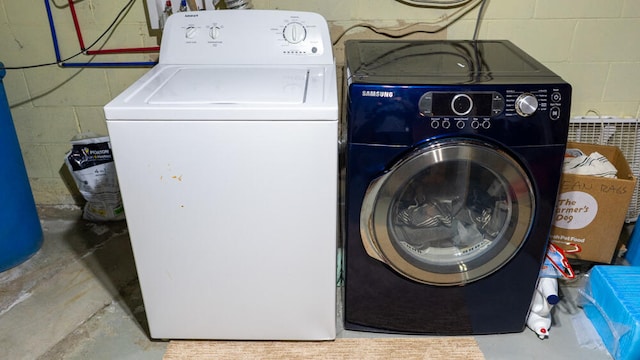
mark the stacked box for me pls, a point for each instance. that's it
(613, 307)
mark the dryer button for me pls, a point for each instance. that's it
(497, 104)
(426, 104)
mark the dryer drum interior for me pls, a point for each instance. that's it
(449, 213)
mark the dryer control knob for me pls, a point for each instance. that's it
(461, 104)
(526, 104)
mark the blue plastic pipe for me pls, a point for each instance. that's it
(86, 64)
(109, 64)
(53, 31)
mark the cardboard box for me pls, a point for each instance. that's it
(590, 210)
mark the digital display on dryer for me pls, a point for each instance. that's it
(482, 104)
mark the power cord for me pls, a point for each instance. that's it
(81, 52)
(452, 19)
(479, 19)
(436, 3)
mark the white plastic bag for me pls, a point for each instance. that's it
(90, 162)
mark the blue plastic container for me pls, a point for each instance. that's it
(613, 307)
(633, 251)
(20, 230)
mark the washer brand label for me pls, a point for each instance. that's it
(382, 94)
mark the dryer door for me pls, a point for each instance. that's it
(449, 213)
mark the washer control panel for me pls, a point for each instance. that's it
(479, 110)
(246, 37)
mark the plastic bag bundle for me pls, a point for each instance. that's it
(610, 300)
(90, 162)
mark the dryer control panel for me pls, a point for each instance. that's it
(531, 114)
(480, 103)
(256, 37)
(481, 109)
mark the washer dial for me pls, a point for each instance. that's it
(190, 32)
(214, 32)
(294, 32)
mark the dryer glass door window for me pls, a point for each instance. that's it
(449, 213)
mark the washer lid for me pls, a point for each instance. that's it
(229, 92)
(233, 86)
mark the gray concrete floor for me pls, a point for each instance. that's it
(76, 298)
(79, 298)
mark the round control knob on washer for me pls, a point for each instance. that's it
(190, 32)
(294, 32)
(214, 32)
(461, 104)
(526, 104)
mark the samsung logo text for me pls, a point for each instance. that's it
(381, 94)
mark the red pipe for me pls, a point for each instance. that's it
(76, 23)
(123, 50)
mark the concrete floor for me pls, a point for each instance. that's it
(76, 298)
(79, 298)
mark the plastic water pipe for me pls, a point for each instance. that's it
(128, 50)
(76, 24)
(86, 64)
(54, 37)
(109, 64)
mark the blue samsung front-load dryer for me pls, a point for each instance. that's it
(453, 161)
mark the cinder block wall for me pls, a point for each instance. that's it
(593, 44)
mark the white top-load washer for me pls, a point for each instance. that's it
(226, 153)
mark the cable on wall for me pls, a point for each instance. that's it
(76, 24)
(479, 19)
(436, 3)
(65, 62)
(387, 31)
